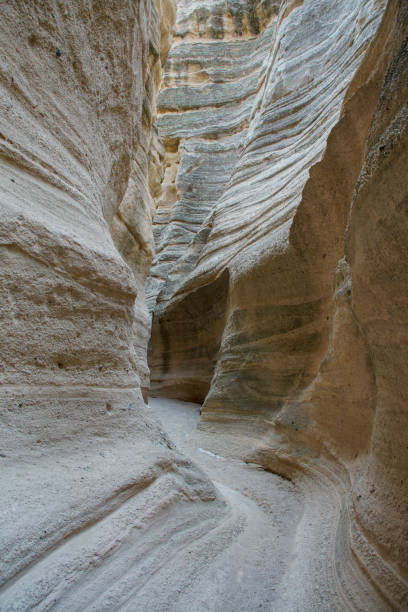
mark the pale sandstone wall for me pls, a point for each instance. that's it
(210, 84)
(306, 264)
(76, 139)
(86, 473)
(354, 412)
(377, 251)
(314, 51)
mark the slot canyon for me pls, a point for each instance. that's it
(204, 305)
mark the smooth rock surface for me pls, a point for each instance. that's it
(277, 159)
(93, 494)
(282, 553)
(302, 266)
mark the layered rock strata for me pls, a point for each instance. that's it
(87, 475)
(210, 82)
(300, 273)
(312, 56)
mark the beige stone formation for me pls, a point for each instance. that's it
(87, 474)
(273, 143)
(290, 111)
(209, 86)
(284, 312)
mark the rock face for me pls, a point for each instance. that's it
(280, 285)
(207, 97)
(84, 466)
(377, 250)
(309, 61)
(213, 85)
(77, 111)
(279, 292)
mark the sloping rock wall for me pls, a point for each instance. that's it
(77, 107)
(355, 407)
(315, 50)
(377, 251)
(86, 473)
(210, 83)
(309, 242)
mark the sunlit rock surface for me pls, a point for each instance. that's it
(285, 310)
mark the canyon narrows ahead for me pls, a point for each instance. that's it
(204, 200)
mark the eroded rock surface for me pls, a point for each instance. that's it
(87, 474)
(210, 83)
(300, 272)
(279, 292)
(312, 56)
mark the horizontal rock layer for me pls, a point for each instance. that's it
(311, 57)
(204, 109)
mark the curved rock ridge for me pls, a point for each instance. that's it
(291, 554)
(314, 52)
(95, 500)
(94, 495)
(204, 107)
(302, 266)
(76, 116)
(280, 295)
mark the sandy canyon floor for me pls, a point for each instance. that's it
(273, 551)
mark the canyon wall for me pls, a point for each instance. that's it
(214, 71)
(277, 161)
(280, 304)
(87, 474)
(209, 86)
(294, 101)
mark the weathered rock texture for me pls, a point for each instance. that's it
(87, 475)
(285, 310)
(279, 290)
(313, 54)
(205, 107)
(78, 93)
(209, 88)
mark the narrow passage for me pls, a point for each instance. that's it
(258, 537)
(277, 549)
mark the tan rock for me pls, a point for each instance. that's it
(86, 471)
(277, 161)
(308, 372)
